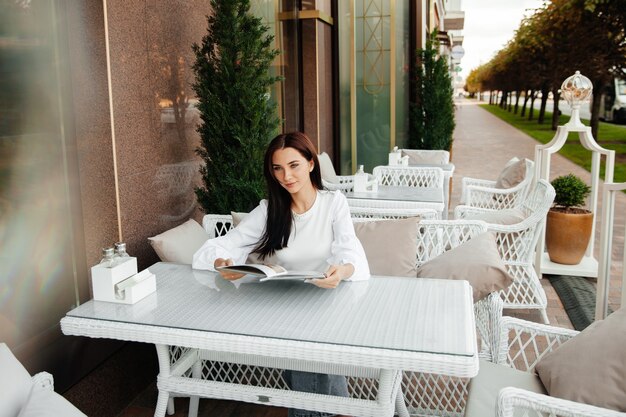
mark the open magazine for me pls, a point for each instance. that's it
(269, 272)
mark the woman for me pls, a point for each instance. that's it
(301, 227)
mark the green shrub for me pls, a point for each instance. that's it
(431, 114)
(570, 190)
(232, 84)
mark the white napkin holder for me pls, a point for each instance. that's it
(121, 283)
(359, 183)
(395, 157)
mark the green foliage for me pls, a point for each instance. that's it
(613, 137)
(570, 190)
(431, 115)
(232, 84)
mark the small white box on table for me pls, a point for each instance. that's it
(121, 283)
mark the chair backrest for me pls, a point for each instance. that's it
(409, 176)
(327, 169)
(176, 179)
(217, 225)
(434, 237)
(523, 188)
(517, 242)
(423, 156)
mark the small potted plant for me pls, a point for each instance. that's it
(568, 225)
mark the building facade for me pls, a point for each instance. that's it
(98, 131)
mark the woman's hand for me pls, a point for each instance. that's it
(229, 275)
(334, 275)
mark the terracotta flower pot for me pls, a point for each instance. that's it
(567, 235)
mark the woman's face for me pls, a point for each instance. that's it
(291, 170)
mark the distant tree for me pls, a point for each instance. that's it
(597, 29)
(238, 120)
(431, 117)
(550, 45)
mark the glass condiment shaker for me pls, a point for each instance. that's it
(108, 255)
(120, 250)
(120, 253)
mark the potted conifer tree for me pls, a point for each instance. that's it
(568, 225)
(238, 119)
(431, 117)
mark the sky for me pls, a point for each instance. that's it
(489, 25)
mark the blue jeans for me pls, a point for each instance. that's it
(317, 383)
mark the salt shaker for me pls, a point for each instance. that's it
(108, 255)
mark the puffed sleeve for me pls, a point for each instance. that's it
(346, 247)
(236, 244)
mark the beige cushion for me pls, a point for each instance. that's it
(476, 261)
(483, 388)
(590, 368)
(237, 217)
(46, 403)
(513, 173)
(505, 217)
(327, 169)
(180, 243)
(15, 383)
(390, 245)
(434, 157)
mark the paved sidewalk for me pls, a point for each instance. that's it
(482, 145)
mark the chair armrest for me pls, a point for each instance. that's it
(462, 210)
(44, 380)
(511, 399)
(519, 347)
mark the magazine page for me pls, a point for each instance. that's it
(297, 275)
(256, 269)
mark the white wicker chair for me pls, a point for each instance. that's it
(433, 394)
(331, 181)
(520, 346)
(174, 184)
(483, 194)
(23, 394)
(401, 176)
(517, 244)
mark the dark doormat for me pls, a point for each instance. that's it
(578, 296)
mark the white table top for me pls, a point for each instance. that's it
(417, 194)
(408, 316)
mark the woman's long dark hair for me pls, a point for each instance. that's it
(279, 217)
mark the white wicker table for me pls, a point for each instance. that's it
(372, 329)
(424, 197)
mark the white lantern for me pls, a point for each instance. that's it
(575, 90)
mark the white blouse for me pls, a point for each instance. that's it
(320, 237)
